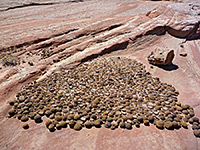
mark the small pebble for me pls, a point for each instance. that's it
(63, 124)
(159, 124)
(168, 125)
(48, 122)
(183, 54)
(25, 126)
(146, 122)
(107, 125)
(51, 128)
(196, 133)
(184, 125)
(87, 124)
(128, 126)
(24, 118)
(97, 123)
(77, 127)
(122, 125)
(195, 119)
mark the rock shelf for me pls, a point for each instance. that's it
(112, 92)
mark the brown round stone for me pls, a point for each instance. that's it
(76, 117)
(87, 124)
(47, 123)
(97, 123)
(51, 128)
(159, 124)
(25, 126)
(77, 127)
(146, 122)
(71, 124)
(196, 133)
(24, 118)
(11, 112)
(63, 124)
(128, 126)
(58, 118)
(107, 124)
(168, 125)
(184, 125)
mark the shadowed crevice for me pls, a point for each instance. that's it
(39, 4)
(28, 5)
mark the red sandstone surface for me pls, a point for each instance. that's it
(43, 32)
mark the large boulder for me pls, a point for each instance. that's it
(161, 56)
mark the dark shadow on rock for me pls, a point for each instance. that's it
(99, 126)
(38, 121)
(168, 67)
(171, 128)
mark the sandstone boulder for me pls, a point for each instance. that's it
(161, 56)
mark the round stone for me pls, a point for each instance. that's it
(107, 125)
(146, 122)
(195, 127)
(58, 118)
(71, 124)
(176, 125)
(97, 123)
(87, 124)
(151, 119)
(25, 126)
(38, 119)
(51, 128)
(63, 124)
(159, 124)
(24, 118)
(11, 112)
(196, 133)
(128, 126)
(53, 110)
(168, 125)
(77, 127)
(190, 121)
(140, 119)
(48, 122)
(48, 113)
(195, 119)
(184, 125)
(76, 117)
(122, 125)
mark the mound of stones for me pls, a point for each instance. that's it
(113, 92)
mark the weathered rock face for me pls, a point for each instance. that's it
(45, 36)
(161, 56)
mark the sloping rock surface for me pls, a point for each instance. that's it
(48, 35)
